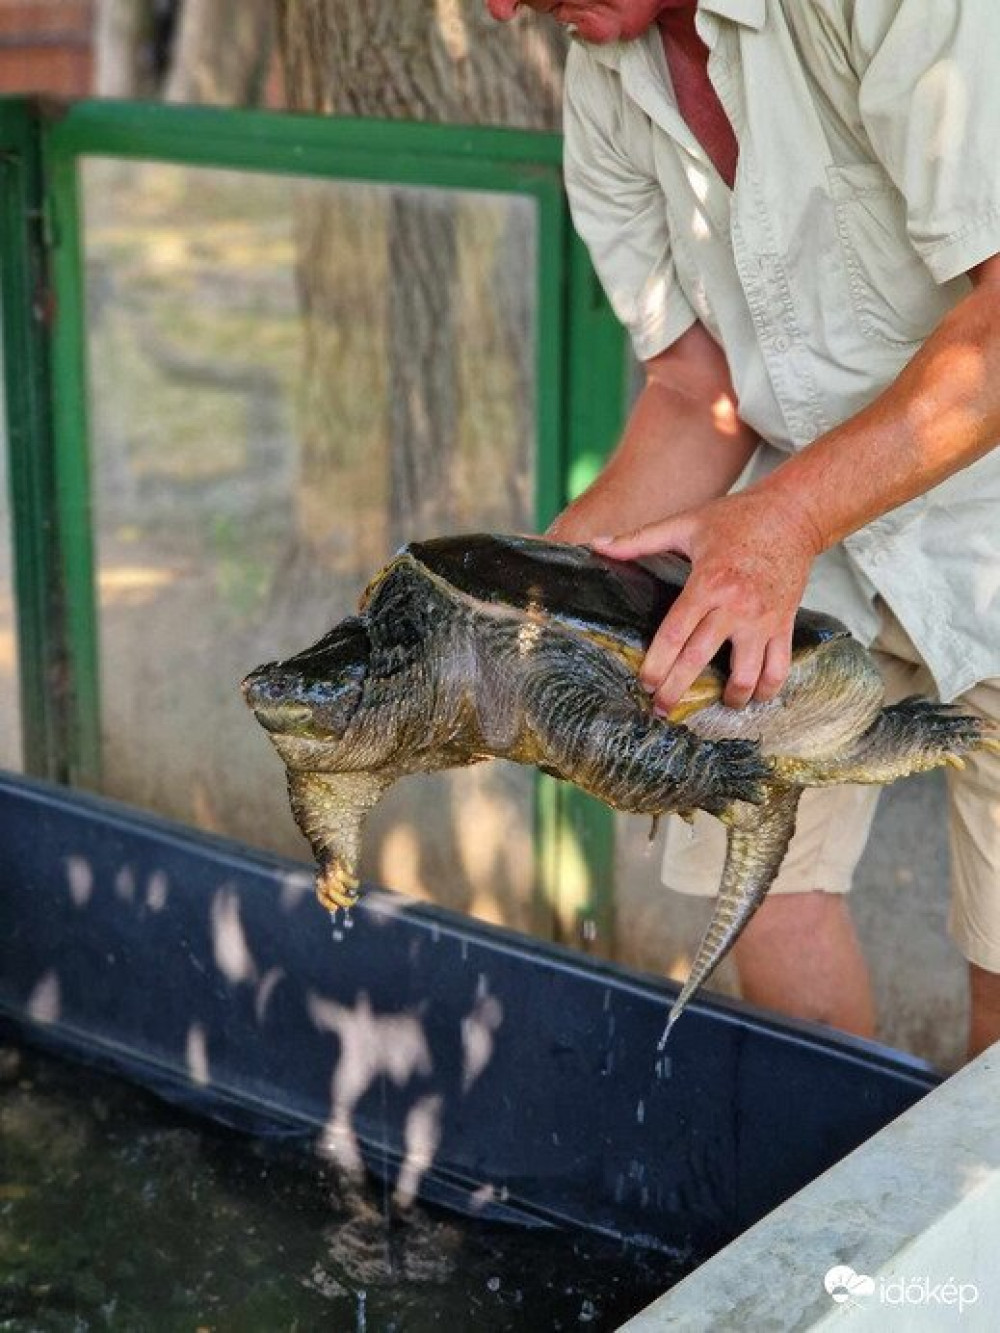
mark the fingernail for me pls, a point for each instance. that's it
(600, 541)
(650, 689)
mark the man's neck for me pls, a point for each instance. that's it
(697, 101)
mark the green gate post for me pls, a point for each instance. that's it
(29, 309)
(576, 842)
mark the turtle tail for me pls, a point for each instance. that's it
(757, 841)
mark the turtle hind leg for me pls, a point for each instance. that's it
(758, 838)
(909, 737)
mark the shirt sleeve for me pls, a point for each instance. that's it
(929, 99)
(618, 206)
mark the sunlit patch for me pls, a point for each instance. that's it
(295, 887)
(452, 27)
(421, 1137)
(196, 1054)
(7, 650)
(478, 1029)
(700, 229)
(724, 417)
(79, 880)
(574, 890)
(229, 944)
(485, 906)
(482, 1197)
(528, 636)
(383, 908)
(157, 891)
(265, 990)
(653, 301)
(493, 844)
(698, 179)
(45, 1001)
(679, 967)
(132, 585)
(399, 862)
(125, 885)
(945, 85)
(372, 1046)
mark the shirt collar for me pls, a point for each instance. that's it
(748, 12)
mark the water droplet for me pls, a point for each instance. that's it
(348, 920)
(640, 1112)
(588, 1313)
(493, 1284)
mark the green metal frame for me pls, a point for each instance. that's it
(581, 379)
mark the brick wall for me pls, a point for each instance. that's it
(45, 46)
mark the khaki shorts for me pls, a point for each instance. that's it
(834, 822)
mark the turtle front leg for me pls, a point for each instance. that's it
(330, 809)
(909, 737)
(586, 721)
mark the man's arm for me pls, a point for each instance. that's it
(683, 444)
(751, 552)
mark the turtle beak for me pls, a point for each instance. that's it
(267, 691)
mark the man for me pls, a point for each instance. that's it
(794, 207)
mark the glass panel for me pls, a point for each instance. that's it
(10, 711)
(288, 379)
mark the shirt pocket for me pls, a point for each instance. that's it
(893, 294)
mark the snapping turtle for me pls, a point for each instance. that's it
(482, 646)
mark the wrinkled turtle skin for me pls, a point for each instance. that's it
(488, 646)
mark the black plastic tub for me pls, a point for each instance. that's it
(207, 973)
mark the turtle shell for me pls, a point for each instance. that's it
(618, 603)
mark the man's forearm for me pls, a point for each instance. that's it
(939, 415)
(683, 445)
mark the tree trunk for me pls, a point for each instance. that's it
(445, 61)
(123, 64)
(222, 51)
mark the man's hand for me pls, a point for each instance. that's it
(750, 558)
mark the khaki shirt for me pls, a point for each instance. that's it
(868, 184)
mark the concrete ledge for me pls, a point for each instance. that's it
(914, 1213)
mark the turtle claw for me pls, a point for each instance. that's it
(336, 887)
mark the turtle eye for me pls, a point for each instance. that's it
(332, 705)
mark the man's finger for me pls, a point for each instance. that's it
(774, 671)
(675, 630)
(747, 661)
(691, 661)
(653, 539)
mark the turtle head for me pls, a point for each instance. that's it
(308, 703)
(335, 749)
